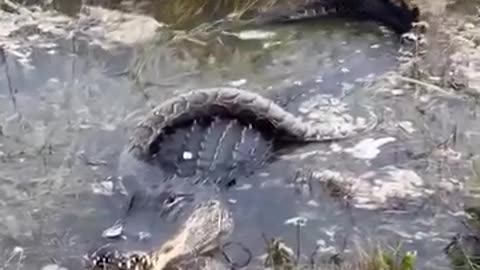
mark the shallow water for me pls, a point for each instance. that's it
(65, 119)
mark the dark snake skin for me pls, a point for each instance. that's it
(395, 14)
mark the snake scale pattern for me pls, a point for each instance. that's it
(397, 15)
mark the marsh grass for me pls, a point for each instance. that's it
(463, 252)
(187, 14)
(383, 259)
(464, 249)
(365, 257)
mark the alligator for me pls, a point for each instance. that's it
(210, 136)
(395, 14)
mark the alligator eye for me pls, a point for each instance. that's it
(171, 199)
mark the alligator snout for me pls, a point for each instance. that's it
(148, 212)
(149, 219)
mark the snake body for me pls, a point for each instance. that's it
(237, 103)
(398, 15)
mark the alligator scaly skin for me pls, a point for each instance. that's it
(218, 149)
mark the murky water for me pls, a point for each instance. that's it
(65, 118)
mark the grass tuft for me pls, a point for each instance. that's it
(281, 257)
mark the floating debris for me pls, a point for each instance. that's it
(335, 147)
(255, 34)
(398, 92)
(297, 221)
(347, 86)
(187, 155)
(268, 45)
(385, 189)
(114, 231)
(144, 235)
(368, 148)
(244, 187)
(345, 70)
(103, 188)
(406, 126)
(313, 203)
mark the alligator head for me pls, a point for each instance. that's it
(152, 215)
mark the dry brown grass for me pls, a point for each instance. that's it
(186, 14)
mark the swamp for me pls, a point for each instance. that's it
(77, 76)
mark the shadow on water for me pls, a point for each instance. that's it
(66, 118)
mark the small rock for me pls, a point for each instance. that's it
(300, 221)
